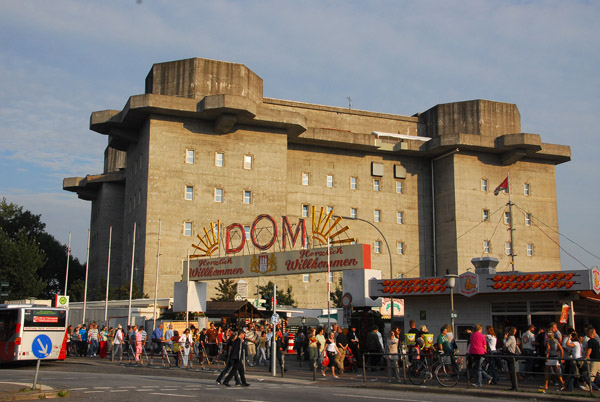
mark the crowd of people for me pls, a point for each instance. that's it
(559, 356)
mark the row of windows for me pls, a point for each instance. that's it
(218, 195)
(528, 217)
(354, 213)
(526, 187)
(487, 247)
(353, 183)
(190, 158)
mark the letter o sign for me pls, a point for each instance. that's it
(253, 232)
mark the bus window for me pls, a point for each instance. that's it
(44, 319)
(8, 324)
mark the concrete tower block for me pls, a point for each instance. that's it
(196, 78)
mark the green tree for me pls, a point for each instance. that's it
(20, 260)
(226, 290)
(336, 296)
(283, 298)
(20, 225)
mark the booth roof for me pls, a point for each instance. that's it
(231, 308)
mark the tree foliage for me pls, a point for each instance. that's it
(283, 298)
(28, 252)
(226, 290)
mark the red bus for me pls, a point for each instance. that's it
(25, 328)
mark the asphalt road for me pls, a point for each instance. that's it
(85, 386)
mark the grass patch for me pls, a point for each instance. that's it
(63, 394)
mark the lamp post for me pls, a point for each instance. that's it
(389, 254)
(451, 283)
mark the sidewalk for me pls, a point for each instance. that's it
(14, 391)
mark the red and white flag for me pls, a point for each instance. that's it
(502, 187)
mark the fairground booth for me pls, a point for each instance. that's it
(500, 299)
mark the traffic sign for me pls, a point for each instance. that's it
(42, 346)
(275, 319)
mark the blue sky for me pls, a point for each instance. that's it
(62, 60)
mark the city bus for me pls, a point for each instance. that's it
(29, 332)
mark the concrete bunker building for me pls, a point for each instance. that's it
(203, 144)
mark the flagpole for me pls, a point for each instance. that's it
(131, 279)
(512, 248)
(68, 258)
(87, 266)
(107, 276)
(156, 276)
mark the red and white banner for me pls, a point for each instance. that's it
(307, 261)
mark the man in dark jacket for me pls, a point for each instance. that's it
(237, 356)
(375, 347)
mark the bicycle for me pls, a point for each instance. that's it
(445, 373)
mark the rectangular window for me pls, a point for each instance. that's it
(353, 213)
(247, 197)
(219, 158)
(399, 187)
(377, 216)
(400, 217)
(305, 277)
(530, 249)
(304, 211)
(486, 246)
(305, 180)
(189, 192)
(484, 185)
(486, 215)
(376, 184)
(218, 195)
(329, 209)
(400, 247)
(187, 229)
(329, 180)
(247, 162)
(508, 248)
(247, 232)
(526, 189)
(528, 219)
(377, 247)
(189, 156)
(507, 218)
(353, 183)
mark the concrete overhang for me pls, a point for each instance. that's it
(225, 110)
(510, 147)
(87, 187)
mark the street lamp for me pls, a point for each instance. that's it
(451, 281)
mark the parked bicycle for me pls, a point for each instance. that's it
(438, 366)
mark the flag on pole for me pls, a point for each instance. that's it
(502, 187)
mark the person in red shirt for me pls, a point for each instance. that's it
(477, 350)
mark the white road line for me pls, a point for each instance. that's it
(92, 392)
(379, 398)
(77, 389)
(128, 387)
(102, 387)
(118, 390)
(149, 386)
(176, 395)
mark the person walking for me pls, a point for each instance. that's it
(477, 350)
(332, 350)
(512, 349)
(237, 357)
(185, 346)
(392, 356)
(118, 345)
(554, 353)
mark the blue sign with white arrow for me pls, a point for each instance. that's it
(42, 346)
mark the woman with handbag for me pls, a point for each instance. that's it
(331, 350)
(185, 343)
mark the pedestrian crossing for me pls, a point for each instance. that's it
(179, 390)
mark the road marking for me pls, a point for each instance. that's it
(379, 398)
(118, 390)
(77, 389)
(149, 386)
(92, 392)
(176, 395)
(102, 387)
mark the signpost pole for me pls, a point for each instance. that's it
(37, 370)
(68, 257)
(107, 277)
(87, 266)
(274, 337)
(131, 279)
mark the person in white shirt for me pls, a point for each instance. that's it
(528, 349)
(574, 348)
(118, 345)
(185, 343)
(491, 341)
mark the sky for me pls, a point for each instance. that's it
(62, 60)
